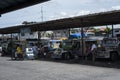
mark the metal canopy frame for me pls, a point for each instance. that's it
(11, 5)
(97, 19)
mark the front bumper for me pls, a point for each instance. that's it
(102, 54)
(56, 56)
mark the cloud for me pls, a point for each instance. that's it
(116, 7)
(102, 10)
(83, 12)
(63, 13)
(57, 9)
(59, 15)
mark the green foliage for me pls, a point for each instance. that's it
(97, 30)
(67, 47)
(107, 30)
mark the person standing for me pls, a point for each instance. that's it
(93, 50)
(61, 45)
(35, 50)
(51, 45)
(93, 47)
(19, 51)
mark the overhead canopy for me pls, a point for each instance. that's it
(97, 19)
(11, 5)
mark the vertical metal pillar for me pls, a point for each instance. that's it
(19, 37)
(12, 53)
(11, 40)
(82, 40)
(112, 31)
(39, 37)
(82, 43)
(69, 32)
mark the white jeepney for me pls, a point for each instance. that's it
(109, 48)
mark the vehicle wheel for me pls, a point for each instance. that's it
(72, 56)
(114, 56)
(63, 56)
(67, 56)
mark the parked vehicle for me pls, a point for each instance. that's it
(115, 32)
(57, 53)
(29, 54)
(0, 50)
(110, 48)
(60, 53)
(74, 47)
(67, 51)
(4, 49)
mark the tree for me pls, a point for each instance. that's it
(107, 31)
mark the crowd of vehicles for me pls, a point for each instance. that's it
(108, 48)
(71, 48)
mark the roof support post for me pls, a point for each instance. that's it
(19, 37)
(39, 38)
(82, 40)
(12, 52)
(69, 33)
(112, 31)
(82, 43)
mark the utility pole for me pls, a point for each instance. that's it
(42, 14)
(42, 18)
(39, 33)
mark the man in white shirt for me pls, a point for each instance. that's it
(93, 47)
(93, 51)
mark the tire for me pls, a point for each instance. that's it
(114, 56)
(65, 56)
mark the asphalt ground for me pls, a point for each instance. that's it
(58, 70)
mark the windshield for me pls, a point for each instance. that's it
(110, 42)
(89, 35)
(68, 43)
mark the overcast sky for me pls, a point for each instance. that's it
(56, 9)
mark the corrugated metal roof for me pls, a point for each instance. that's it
(97, 19)
(10, 5)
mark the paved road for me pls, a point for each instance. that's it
(46, 70)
